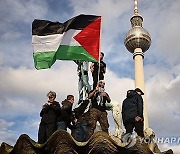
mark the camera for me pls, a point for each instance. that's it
(101, 89)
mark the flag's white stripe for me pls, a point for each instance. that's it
(46, 43)
(68, 38)
(52, 42)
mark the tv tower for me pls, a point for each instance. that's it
(138, 41)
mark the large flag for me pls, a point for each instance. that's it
(75, 39)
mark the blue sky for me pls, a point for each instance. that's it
(23, 89)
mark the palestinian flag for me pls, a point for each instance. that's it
(75, 39)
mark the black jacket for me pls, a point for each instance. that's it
(98, 101)
(132, 106)
(96, 68)
(80, 110)
(49, 113)
(66, 112)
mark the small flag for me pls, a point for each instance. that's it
(75, 39)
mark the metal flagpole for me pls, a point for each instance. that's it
(85, 95)
(99, 53)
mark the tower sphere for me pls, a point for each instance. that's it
(137, 37)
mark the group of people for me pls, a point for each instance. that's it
(97, 69)
(92, 107)
(54, 116)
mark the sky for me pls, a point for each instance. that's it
(23, 89)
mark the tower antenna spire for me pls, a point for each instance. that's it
(135, 6)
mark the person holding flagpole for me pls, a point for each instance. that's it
(98, 68)
(83, 82)
(98, 112)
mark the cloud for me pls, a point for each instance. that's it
(117, 87)
(160, 19)
(24, 90)
(21, 11)
(1, 58)
(163, 101)
(165, 147)
(6, 134)
(4, 124)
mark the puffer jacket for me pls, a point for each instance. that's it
(132, 106)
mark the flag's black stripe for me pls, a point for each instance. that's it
(79, 22)
(44, 27)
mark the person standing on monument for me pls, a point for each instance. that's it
(132, 112)
(98, 112)
(95, 70)
(49, 113)
(65, 118)
(83, 82)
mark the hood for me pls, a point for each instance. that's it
(131, 93)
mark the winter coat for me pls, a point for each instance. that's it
(66, 112)
(80, 110)
(132, 106)
(50, 112)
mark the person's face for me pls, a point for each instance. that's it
(139, 93)
(51, 99)
(101, 84)
(101, 56)
(71, 100)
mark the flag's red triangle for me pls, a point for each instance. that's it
(89, 38)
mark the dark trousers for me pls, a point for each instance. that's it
(95, 78)
(138, 125)
(45, 131)
(61, 125)
(80, 133)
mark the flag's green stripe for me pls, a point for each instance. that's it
(43, 60)
(66, 52)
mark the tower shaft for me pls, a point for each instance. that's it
(139, 80)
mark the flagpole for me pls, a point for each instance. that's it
(99, 52)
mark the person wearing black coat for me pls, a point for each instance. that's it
(132, 112)
(64, 120)
(49, 113)
(95, 70)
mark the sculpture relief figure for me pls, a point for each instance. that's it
(149, 135)
(115, 107)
